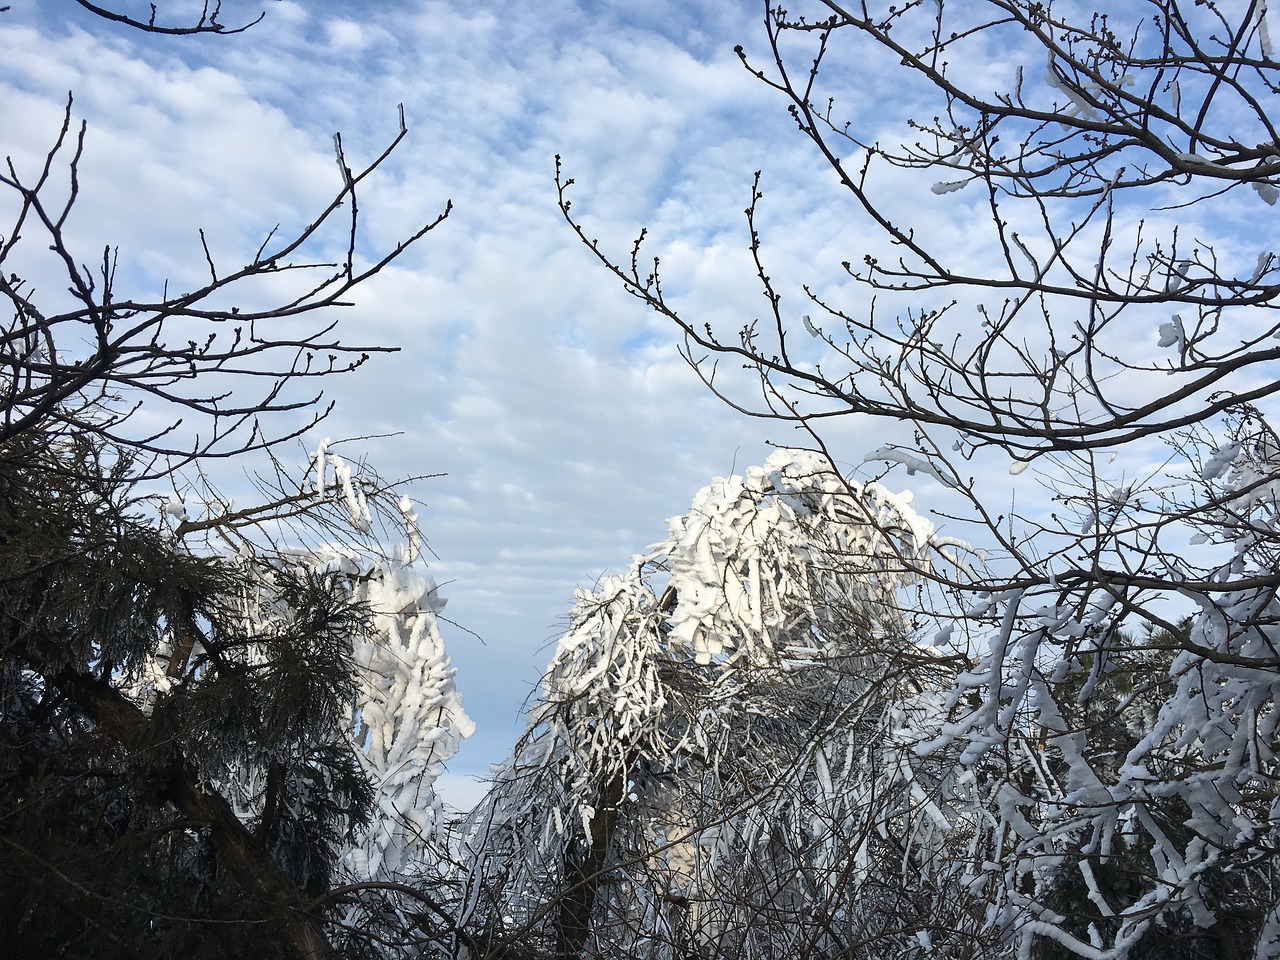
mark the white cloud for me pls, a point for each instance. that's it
(568, 424)
(346, 36)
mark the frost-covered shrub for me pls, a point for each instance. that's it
(721, 726)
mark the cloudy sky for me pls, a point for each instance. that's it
(565, 423)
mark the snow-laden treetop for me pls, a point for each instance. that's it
(759, 554)
(784, 566)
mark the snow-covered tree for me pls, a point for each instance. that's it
(713, 751)
(220, 728)
(209, 723)
(1068, 327)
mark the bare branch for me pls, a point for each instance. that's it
(158, 350)
(208, 22)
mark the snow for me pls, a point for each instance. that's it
(659, 665)
(408, 704)
(1218, 462)
(1172, 334)
(407, 717)
(913, 462)
(1264, 33)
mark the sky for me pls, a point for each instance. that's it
(564, 424)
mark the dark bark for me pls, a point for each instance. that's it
(244, 857)
(584, 871)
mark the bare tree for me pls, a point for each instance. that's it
(90, 365)
(1104, 163)
(1055, 160)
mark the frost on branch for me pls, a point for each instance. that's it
(739, 746)
(758, 564)
(757, 556)
(1127, 776)
(745, 681)
(399, 717)
(410, 717)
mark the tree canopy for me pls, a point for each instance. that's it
(1105, 333)
(222, 718)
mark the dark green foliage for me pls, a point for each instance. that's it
(94, 866)
(103, 850)
(82, 582)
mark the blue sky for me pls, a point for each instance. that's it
(565, 421)
(567, 424)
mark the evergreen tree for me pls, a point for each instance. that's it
(220, 728)
(115, 839)
(189, 753)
